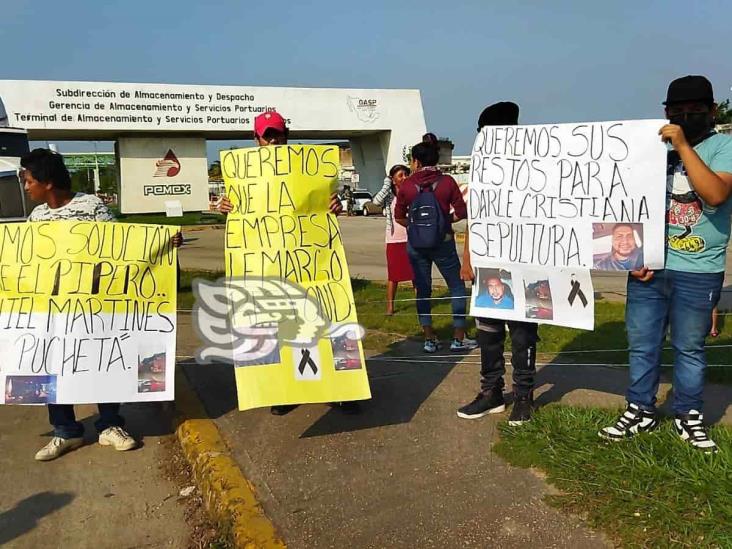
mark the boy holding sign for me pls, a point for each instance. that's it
(492, 332)
(683, 295)
(47, 182)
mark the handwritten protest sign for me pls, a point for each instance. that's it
(295, 321)
(87, 312)
(566, 198)
(537, 192)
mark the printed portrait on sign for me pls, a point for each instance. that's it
(538, 299)
(617, 246)
(494, 289)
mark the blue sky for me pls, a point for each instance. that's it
(561, 61)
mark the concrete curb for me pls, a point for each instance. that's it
(229, 497)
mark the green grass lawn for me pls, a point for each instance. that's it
(651, 491)
(383, 331)
(190, 218)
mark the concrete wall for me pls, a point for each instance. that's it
(379, 123)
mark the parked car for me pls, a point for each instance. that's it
(360, 199)
(14, 204)
(372, 209)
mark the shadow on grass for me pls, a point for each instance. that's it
(594, 371)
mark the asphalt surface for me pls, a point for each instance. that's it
(93, 497)
(407, 472)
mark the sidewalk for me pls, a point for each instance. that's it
(94, 497)
(405, 473)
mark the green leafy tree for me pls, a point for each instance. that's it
(724, 113)
(214, 171)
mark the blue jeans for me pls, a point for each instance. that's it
(685, 301)
(64, 422)
(446, 258)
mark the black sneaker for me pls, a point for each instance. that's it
(492, 403)
(630, 423)
(282, 409)
(523, 406)
(690, 428)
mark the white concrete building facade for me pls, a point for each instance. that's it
(378, 123)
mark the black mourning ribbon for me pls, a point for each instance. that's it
(307, 360)
(575, 293)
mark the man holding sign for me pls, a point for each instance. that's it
(271, 129)
(699, 186)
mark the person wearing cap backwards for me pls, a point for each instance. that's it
(699, 186)
(492, 331)
(270, 129)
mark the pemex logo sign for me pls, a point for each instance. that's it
(168, 166)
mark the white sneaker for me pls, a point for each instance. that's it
(690, 428)
(118, 438)
(57, 447)
(466, 344)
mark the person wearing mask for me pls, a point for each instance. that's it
(47, 182)
(397, 260)
(492, 331)
(684, 294)
(429, 191)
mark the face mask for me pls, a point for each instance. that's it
(695, 125)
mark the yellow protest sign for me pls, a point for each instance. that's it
(87, 312)
(296, 332)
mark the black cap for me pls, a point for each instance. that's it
(689, 88)
(504, 113)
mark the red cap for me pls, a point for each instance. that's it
(269, 120)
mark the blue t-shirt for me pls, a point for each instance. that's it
(484, 299)
(697, 234)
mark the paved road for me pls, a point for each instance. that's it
(93, 497)
(405, 473)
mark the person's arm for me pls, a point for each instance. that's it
(466, 269)
(714, 188)
(335, 204)
(101, 212)
(460, 210)
(224, 205)
(383, 193)
(400, 209)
